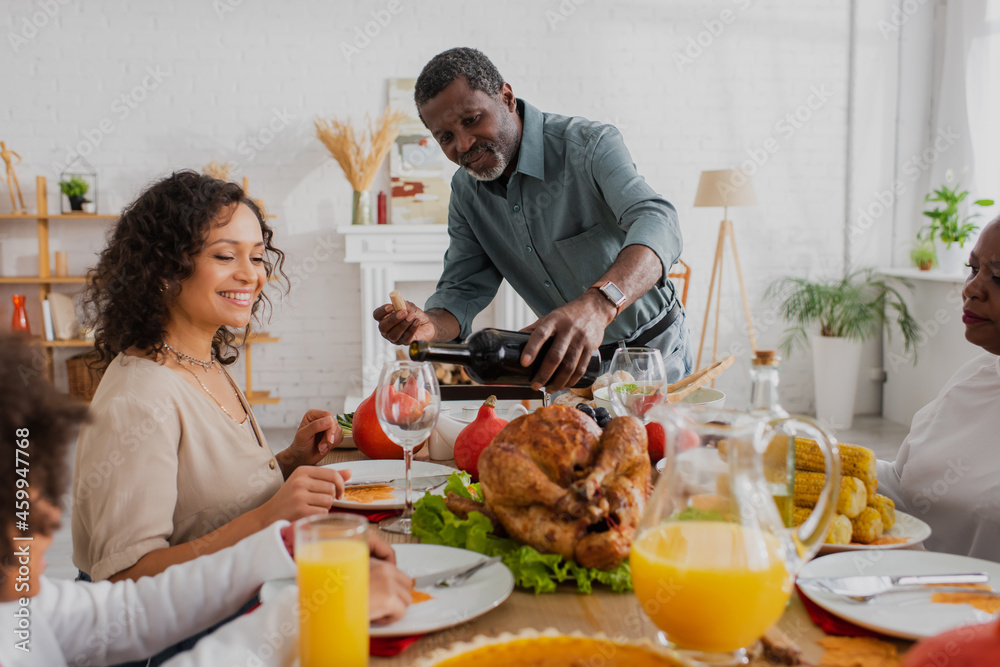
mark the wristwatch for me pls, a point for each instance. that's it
(613, 294)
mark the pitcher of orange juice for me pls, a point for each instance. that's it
(713, 563)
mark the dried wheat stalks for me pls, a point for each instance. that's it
(359, 166)
(218, 170)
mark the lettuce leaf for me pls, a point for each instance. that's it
(433, 523)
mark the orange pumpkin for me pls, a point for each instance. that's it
(368, 435)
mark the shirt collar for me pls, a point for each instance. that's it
(531, 151)
(531, 160)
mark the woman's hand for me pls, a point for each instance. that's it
(317, 434)
(307, 491)
(390, 592)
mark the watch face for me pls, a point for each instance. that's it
(615, 295)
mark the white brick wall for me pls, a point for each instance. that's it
(224, 76)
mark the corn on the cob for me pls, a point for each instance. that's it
(867, 526)
(855, 461)
(886, 509)
(840, 526)
(852, 498)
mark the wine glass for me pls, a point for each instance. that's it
(638, 381)
(407, 403)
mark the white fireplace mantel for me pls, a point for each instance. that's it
(391, 254)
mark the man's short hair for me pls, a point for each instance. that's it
(447, 66)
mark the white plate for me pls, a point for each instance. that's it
(384, 470)
(347, 442)
(484, 590)
(906, 526)
(907, 615)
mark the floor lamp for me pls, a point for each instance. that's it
(725, 188)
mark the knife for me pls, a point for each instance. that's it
(463, 572)
(418, 483)
(866, 587)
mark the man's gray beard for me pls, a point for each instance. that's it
(492, 174)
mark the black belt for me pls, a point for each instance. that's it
(608, 350)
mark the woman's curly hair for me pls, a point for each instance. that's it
(150, 254)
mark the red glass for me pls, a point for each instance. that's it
(19, 323)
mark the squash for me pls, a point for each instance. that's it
(477, 436)
(368, 435)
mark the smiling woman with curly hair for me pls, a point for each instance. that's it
(174, 465)
(150, 254)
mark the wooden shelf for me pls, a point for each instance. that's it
(41, 280)
(69, 342)
(261, 398)
(57, 216)
(255, 338)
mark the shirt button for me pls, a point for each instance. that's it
(517, 208)
(548, 284)
(271, 464)
(528, 248)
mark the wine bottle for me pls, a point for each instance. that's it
(493, 356)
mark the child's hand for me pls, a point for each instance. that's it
(381, 549)
(390, 592)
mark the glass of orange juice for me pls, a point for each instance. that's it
(331, 551)
(712, 562)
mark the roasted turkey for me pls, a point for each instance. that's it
(553, 480)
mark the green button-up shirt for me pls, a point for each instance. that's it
(573, 202)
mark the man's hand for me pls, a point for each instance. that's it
(577, 329)
(402, 327)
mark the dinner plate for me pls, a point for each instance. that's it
(483, 591)
(347, 442)
(385, 470)
(909, 615)
(910, 527)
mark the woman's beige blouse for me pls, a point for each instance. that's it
(159, 465)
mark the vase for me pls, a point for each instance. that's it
(952, 260)
(361, 210)
(835, 378)
(19, 323)
(76, 202)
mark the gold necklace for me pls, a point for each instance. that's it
(207, 391)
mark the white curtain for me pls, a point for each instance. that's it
(969, 97)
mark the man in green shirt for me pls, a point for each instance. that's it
(554, 205)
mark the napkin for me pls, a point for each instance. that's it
(374, 516)
(386, 647)
(830, 624)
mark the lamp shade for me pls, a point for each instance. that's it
(725, 187)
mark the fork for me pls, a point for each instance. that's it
(461, 577)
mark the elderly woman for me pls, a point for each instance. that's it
(947, 471)
(173, 464)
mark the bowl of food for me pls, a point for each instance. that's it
(707, 396)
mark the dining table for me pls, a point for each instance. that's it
(618, 616)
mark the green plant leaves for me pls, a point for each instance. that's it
(855, 307)
(946, 222)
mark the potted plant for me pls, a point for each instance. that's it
(842, 315)
(923, 255)
(947, 226)
(75, 189)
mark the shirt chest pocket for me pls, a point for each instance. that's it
(584, 258)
